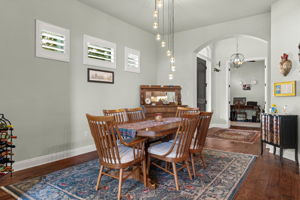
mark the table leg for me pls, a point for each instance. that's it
(274, 150)
(150, 184)
(281, 153)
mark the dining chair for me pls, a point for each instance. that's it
(186, 110)
(199, 139)
(120, 115)
(114, 156)
(135, 114)
(176, 152)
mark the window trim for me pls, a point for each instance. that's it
(129, 68)
(43, 52)
(87, 39)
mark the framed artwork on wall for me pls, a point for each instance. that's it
(100, 76)
(285, 89)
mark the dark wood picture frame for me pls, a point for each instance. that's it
(89, 70)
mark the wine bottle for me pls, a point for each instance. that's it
(6, 160)
(11, 146)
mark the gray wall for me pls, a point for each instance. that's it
(247, 72)
(285, 39)
(47, 99)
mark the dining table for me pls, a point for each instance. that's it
(153, 131)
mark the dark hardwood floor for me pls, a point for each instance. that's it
(269, 179)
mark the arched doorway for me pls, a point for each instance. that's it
(218, 70)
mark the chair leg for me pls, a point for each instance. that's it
(188, 169)
(202, 160)
(148, 164)
(175, 175)
(99, 177)
(120, 184)
(144, 172)
(193, 164)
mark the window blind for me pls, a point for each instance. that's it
(100, 53)
(53, 42)
(133, 60)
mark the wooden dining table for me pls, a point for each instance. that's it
(153, 131)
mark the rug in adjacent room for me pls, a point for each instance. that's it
(237, 135)
(220, 180)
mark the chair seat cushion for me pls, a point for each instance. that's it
(126, 154)
(191, 147)
(163, 148)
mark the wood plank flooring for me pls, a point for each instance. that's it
(269, 179)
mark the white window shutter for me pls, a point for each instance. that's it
(98, 52)
(52, 42)
(132, 60)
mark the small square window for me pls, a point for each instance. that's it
(132, 60)
(99, 52)
(52, 42)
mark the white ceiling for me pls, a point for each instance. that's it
(189, 14)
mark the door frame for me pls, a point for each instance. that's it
(266, 80)
(208, 81)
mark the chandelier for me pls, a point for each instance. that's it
(163, 16)
(237, 59)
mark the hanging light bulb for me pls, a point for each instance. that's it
(169, 53)
(172, 60)
(155, 25)
(155, 13)
(159, 3)
(173, 68)
(157, 36)
(171, 76)
(163, 44)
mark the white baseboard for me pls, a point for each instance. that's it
(24, 164)
(287, 153)
(219, 125)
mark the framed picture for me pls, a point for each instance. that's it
(285, 89)
(100, 76)
(239, 101)
(246, 87)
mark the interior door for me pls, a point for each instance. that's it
(201, 84)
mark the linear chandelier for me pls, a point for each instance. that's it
(163, 16)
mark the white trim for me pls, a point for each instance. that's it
(128, 67)
(32, 162)
(287, 153)
(44, 53)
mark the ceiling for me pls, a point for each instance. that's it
(189, 14)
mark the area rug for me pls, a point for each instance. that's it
(237, 135)
(220, 180)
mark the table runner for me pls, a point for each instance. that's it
(129, 130)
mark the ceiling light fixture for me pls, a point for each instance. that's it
(237, 59)
(165, 9)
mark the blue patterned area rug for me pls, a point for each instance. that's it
(220, 180)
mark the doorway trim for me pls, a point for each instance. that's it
(266, 80)
(208, 81)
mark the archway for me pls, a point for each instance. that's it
(222, 120)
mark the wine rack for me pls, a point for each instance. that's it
(281, 131)
(6, 146)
